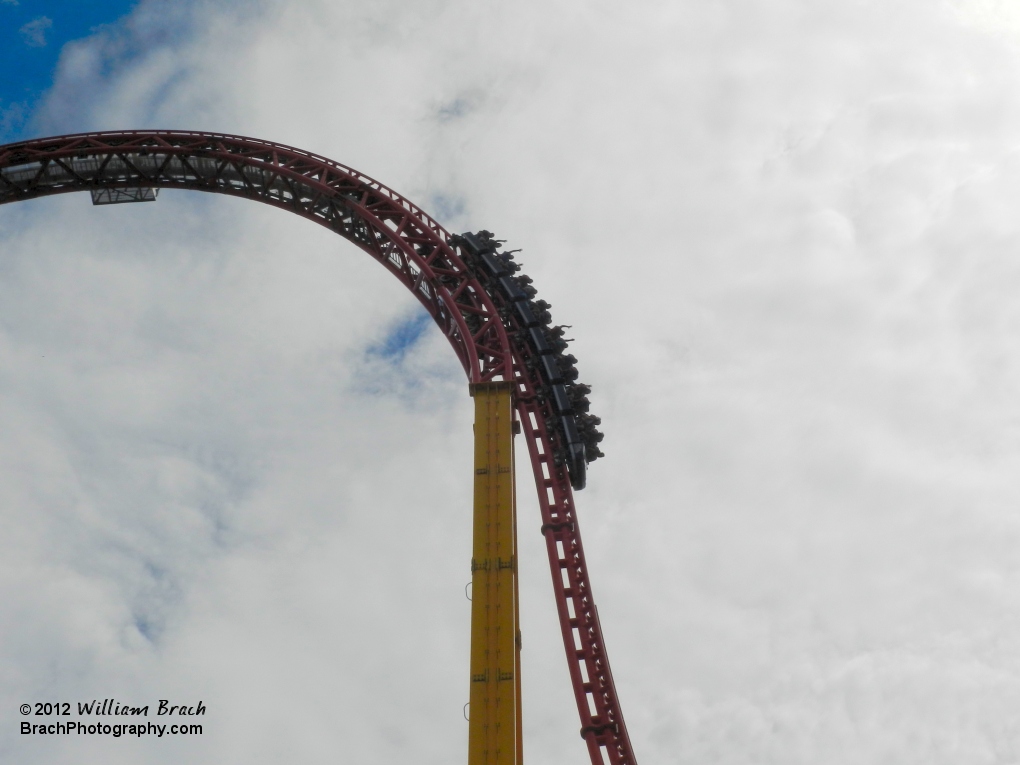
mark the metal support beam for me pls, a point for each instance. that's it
(494, 730)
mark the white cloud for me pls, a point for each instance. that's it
(784, 233)
(996, 16)
(35, 30)
(12, 116)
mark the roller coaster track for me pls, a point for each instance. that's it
(468, 287)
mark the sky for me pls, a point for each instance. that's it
(236, 463)
(32, 34)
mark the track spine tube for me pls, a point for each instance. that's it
(606, 727)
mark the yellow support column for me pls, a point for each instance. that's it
(494, 730)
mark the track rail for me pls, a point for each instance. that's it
(462, 281)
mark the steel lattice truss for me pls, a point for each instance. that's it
(460, 280)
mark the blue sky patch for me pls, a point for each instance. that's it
(32, 34)
(446, 207)
(402, 338)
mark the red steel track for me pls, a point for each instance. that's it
(430, 262)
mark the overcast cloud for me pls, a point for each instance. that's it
(786, 236)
